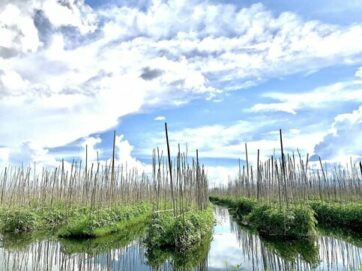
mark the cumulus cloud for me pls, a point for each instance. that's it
(4, 155)
(67, 71)
(345, 139)
(124, 155)
(29, 153)
(348, 91)
(221, 174)
(359, 73)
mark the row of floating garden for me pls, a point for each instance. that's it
(295, 221)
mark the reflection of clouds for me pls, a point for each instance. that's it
(225, 248)
(224, 251)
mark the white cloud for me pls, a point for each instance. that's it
(29, 153)
(344, 141)
(73, 13)
(85, 73)
(17, 29)
(124, 155)
(282, 107)
(160, 118)
(359, 73)
(348, 91)
(221, 174)
(4, 155)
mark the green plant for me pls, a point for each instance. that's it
(179, 233)
(291, 223)
(85, 223)
(348, 215)
(18, 221)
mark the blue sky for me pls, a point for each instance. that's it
(221, 73)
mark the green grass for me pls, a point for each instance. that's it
(104, 221)
(180, 233)
(294, 222)
(346, 215)
(75, 222)
(18, 220)
(95, 246)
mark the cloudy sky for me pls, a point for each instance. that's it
(220, 72)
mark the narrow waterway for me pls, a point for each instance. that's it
(232, 248)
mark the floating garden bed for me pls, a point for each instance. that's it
(271, 220)
(341, 214)
(179, 233)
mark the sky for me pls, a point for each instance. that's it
(220, 73)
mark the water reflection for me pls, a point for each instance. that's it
(232, 248)
(239, 248)
(195, 259)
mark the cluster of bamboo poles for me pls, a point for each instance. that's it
(94, 185)
(179, 182)
(288, 178)
(106, 183)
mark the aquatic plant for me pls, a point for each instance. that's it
(292, 222)
(96, 223)
(289, 222)
(348, 215)
(180, 233)
(17, 221)
(102, 244)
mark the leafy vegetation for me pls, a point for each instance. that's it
(188, 260)
(240, 206)
(344, 214)
(101, 222)
(77, 222)
(18, 221)
(102, 244)
(180, 233)
(292, 222)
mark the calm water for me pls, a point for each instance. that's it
(231, 248)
